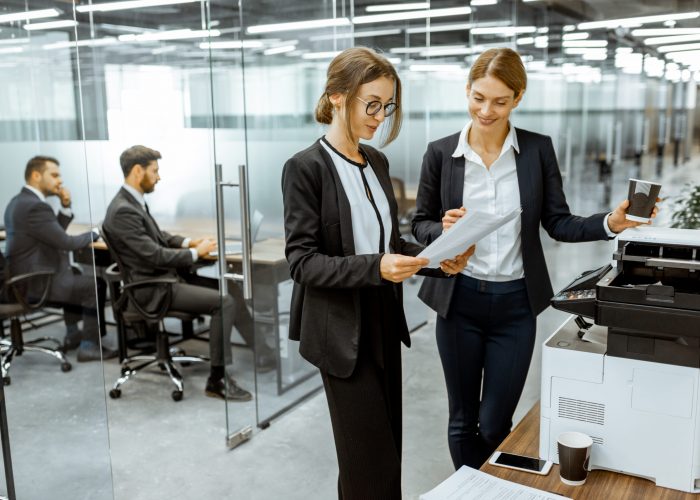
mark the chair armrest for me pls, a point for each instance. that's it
(128, 290)
(154, 281)
(15, 281)
(22, 277)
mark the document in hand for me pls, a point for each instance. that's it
(468, 230)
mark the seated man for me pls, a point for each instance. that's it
(37, 240)
(147, 253)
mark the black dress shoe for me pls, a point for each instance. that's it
(71, 341)
(218, 389)
(94, 353)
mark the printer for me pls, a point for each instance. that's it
(626, 368)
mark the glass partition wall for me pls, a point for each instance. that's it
(226, 92)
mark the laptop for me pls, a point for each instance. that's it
(234, 247)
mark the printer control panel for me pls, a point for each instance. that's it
(588, 293)
(578, 297)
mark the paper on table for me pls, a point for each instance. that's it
(472, 484)
(469, 229)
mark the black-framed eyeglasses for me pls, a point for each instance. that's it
(373, 107)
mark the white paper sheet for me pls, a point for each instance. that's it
(472, 484)
(468, 230)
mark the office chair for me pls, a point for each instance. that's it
(405, 212)
(13, 311)
(128, 312)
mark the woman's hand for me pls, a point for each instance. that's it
(617, 221)
(396, 267)
(457, 264)
(452, 216)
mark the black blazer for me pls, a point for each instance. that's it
(541, 197)
(325, 309)
(36, 237)
(145, 250)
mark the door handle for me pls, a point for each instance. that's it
(246, 245)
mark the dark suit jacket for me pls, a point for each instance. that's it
(325, 310)
(145, 250)
(36, 237)
(541, 197)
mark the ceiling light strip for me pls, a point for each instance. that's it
(29, 14)
(129, 4)
(504, 31)
(660, 40)
(397, 6)
(634, 21)
(299, 25)
(65, 23)
(407, 16)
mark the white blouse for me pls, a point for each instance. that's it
(365, 224)
(498, 256)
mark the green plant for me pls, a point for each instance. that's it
(686, 213)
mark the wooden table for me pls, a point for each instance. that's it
(524, 440)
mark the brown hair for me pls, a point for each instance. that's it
(137, 155)
(37, 164)
(504, 64)
(349, 70)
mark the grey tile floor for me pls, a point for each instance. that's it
(69, 441)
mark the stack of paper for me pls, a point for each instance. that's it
(472, 484)
(469, 229)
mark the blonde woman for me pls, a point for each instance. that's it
(486, 317)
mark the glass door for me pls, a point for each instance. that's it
(54, 380)
(221, 93)
(284, 72)
(150, 76)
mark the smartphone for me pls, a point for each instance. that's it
(520, 462)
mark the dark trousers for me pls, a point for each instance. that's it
(365, 411)
(72, 313)
(485, 346)
(197, 299)
(76, 294)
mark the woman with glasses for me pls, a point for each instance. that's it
(348, 261)
(486, 317)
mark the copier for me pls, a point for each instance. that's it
(626, 368)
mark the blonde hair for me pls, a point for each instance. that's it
(349, 70)
(504, 64)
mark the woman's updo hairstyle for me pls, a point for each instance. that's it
(349, 70)
(504, 64)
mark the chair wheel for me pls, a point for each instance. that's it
(66, 367)
(6, 380)
(115, 393)
(176, 395)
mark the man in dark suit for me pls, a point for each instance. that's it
(147, 253)
(37, 240)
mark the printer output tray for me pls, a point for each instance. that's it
(675, 292)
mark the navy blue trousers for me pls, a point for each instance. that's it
(485, 346)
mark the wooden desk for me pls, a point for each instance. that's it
(524, 440)
(269, 252)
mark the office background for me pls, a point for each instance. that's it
(210, 82)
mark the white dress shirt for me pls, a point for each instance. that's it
(498, 256)
(365, 225)
(142, 201)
